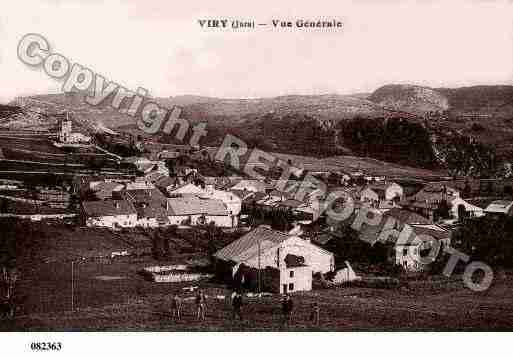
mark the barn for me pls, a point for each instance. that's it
(272, 261)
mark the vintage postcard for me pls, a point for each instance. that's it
(263, 166)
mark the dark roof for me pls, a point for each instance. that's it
(292, 203)
(165, 182)
(323, 238)
(152, 210)
(143, 195)
(108, 208)
(407, 217)
(437, 234)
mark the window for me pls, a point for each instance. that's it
(405, 251)
(291, 274)
(291, 286)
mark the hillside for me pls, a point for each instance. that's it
(429, 127)
(410, 98)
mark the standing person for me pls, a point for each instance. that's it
(200, 305)
(176, 306)
(237, 305)
(315, 314)
(289, 307)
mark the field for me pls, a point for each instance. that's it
(116, 298)
(110, 294)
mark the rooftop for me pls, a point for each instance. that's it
(192, 205)
(247, 246)
(500, 206)
(108, 208)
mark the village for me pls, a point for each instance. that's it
(165, 219)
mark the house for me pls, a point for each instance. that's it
(243, 195)
(274, 261)
(166, 184)
(168, 155)
(197, 211)
(393, 220)
(104, 190)
(408, 256)
(470, 209)
(187, 189)
(109, 213)
(139, 183)
(407, 217)
(499, 209)
(410, 253)
(388, 191)
(153, 214)
(141, 195)
(250, 185)
(154, 176)
(232, 202)
(436, 192)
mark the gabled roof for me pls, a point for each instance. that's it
(155, 209)
(242, 194)
(104, 190)
(260, 186)
(280, 194)
(407, 217)
(154, 177)
(143, 195)
(247, 246)
(108, 208)
(500, 206)
(291, 203)
(192, 205)
(434, 192)
(434, 231)
(188, 188)
(165, 181)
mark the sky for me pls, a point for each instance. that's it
(160, 46)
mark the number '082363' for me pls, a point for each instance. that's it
(45, 346)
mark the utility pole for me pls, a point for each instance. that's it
(72, 286)
(259, 267)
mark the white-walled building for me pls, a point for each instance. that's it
(379, 192)
(250, 185)
(110, 213)
(472, 211)
(196, 211)
(232, 202)
(285, 261)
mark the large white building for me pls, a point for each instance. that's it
(109, 213)
(232, 202)
(197, 211)
(275, 261)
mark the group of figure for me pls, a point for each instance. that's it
(237, 302)
(200, 301)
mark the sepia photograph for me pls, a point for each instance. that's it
(224, 167)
